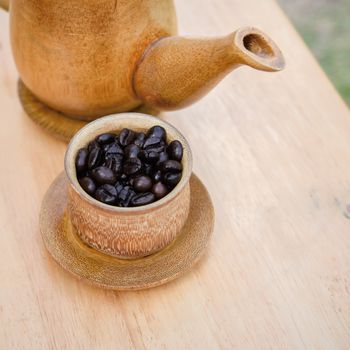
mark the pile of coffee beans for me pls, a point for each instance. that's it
(130, 169)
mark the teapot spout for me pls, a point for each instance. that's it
(176, 71)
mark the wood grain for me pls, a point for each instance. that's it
(273, 151)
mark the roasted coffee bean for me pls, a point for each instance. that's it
(149, 156)
(103, 175)
(118, 186)
(147, 169)
(142, 199)
(152, 157)
(106, 194)
(142, 183)
(156, 148)
(132, 166)
(163, 157)
(140, 139)
(175, 150)
(172, 179)
(124, 193)
(87, 185)
(159, 190)
(103, 139)
(94, 157)
(108, 163)
(126, 136)
(156, 176)
(157, 131)
(93, 144)
(113, 149)
(131, 151)
(152, 142)
(81, 160)
(115, 164)
(115, 156)
(125, 196)
(171, 166)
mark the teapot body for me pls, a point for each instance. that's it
(79, 56)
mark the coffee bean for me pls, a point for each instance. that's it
(149, 156)
(126, 136)
(156, 176)
(113, 149)
(115, 163)
(157, 131)
(103, 139)
(106, 194)
(118, 186)
(81, 160)
(147, 169)
(132, 166)
(131, 151)
(93, 144)
(152, 157)
(103, 175)
(140, 139)
(87, 185)
(108, 163)
(152, 142)
(172, 179)
(171, 166)
(159, 148)
(159, 190)
(117, 166)
(142, 199)
(163, 157)
(142, 183)
(175, 150)
(125, 196)
(94, 157)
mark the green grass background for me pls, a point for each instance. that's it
(325, 27)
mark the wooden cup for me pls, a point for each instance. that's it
(127, 232)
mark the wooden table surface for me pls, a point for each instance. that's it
(273, 150)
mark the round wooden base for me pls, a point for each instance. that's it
(109, 272)
(57, 123)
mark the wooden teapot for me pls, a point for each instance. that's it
(91, 58)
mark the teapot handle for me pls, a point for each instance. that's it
(4, 4)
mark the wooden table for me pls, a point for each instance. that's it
(273, 150)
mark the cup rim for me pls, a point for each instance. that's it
(71, 173)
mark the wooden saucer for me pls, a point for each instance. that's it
(108, 272)
(57, 123)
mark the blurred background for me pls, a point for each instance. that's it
(325, 27)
